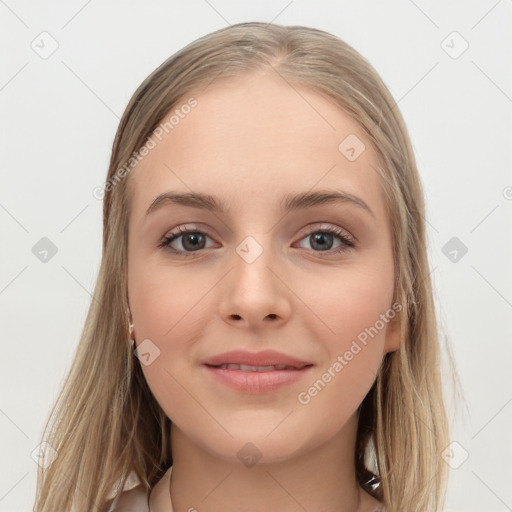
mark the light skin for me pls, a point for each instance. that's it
(250, 142)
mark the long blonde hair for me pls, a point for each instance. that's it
(106, 422)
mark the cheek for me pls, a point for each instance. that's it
(164, 300)
(334, 394)
(347, 302)
(169, 309)
(355, 311)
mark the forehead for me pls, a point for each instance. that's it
(252, 140)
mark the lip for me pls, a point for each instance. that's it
(255, 382)
(263, 358)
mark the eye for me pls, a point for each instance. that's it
(192, 240)
(322, 238)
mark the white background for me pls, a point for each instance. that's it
(59, 116)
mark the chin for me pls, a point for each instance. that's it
(250, 451)
(263, 442)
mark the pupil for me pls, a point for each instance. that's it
(195, 240)
(321, 238)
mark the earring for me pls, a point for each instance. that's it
(131, 341)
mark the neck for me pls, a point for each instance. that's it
(320, 479)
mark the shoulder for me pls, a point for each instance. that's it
(133, 500)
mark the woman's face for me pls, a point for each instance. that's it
(262, 272)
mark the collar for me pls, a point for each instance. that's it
(160, 497)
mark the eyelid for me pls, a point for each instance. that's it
(312, 228)
(183, 229)
(322, 226)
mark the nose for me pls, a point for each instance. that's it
(254, 294)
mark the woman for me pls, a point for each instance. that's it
(264, 329)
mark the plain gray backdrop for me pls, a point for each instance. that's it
(67, 73)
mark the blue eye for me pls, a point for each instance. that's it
(194, 240)
(322, 237)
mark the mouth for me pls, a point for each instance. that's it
(256, 379)
(249, 368)
(265, 360)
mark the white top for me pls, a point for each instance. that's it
(134, 499)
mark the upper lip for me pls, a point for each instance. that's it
(264, 358)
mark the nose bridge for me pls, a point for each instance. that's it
(256, 248)
(254, 258)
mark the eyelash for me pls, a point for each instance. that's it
(348, 242)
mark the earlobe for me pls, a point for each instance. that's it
(392, 341)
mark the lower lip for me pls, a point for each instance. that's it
(256, 382)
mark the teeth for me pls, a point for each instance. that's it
(248, 368)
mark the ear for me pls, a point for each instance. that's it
(392, 341)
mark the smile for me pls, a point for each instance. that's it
(248, 368)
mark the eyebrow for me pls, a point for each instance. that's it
(290, 202)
